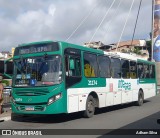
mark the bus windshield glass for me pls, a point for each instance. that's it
(37, 71)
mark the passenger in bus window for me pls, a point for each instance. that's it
(140, 71)
(89, 71)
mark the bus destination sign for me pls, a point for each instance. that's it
(47, 47)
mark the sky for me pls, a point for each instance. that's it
(23, 21)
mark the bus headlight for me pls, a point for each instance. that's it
(54, 98)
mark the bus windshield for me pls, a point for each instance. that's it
(37, 71)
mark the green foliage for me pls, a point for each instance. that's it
(149, 43)
(6, 82)
(137, 50)
(124, 51)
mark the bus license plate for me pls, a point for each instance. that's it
(29, 108)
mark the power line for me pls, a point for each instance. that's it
(136, 21)
(84, 19)
(113, 17)
(102, 21)
(124, 25)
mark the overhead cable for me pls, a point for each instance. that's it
(136, 21)
(113, 17)
(82, 22)
(102, 21)
(124, 25)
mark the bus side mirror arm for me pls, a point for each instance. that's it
(5, 68)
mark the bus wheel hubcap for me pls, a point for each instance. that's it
(90, 106)
(141, 100)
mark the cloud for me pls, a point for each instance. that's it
(30, 20)
(52, 9)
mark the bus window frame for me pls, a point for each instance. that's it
(97, 73)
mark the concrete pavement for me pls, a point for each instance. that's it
(6, 115)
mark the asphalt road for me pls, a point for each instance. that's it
(126, 116)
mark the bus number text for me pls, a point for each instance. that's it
(92, 82)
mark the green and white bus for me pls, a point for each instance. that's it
(58, 77)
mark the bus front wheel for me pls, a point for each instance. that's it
(90, 107)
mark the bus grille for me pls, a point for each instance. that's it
(37, 92)
(36, 108)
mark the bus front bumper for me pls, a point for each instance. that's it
(54, 108)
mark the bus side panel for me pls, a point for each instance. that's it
(116, 91)
(109, 95)
(109, 99)
(135, 89)
(73, 103)
(148, 89)
(77, 98)
(124, 90)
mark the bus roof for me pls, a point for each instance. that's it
(127, 56)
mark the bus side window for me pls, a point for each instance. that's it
(115, 68)
(152, 71)
(140, 70)
(88, 70)
(146, 71)
(125, 68)
(90, 65)
(104, 66)
(133, 69)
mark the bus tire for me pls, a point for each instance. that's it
(90, 107)
(140, 98)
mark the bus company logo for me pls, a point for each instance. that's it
(124, 85)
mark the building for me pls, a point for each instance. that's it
(137, 47)
(5, 55)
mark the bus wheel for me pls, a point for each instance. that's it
(140, 99)
(90, 107)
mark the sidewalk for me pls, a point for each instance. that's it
(6, 115)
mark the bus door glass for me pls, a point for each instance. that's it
(72, 66)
